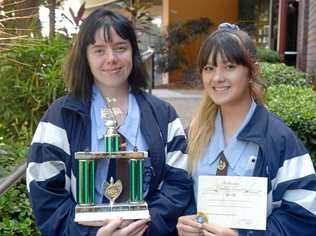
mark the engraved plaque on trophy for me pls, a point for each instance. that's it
(124, 190)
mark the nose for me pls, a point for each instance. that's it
(218, 75)
(111, 56)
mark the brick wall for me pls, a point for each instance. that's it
(311, 41)
(306, 38)
(302, 33)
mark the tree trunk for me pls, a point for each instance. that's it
(52, 18)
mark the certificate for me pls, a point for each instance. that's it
(233, 201)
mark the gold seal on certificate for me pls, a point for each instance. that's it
(201, 217)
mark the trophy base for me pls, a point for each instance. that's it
(130, 211)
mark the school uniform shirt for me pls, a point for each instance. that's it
(130, 129)
(241, 156)
(285, 162)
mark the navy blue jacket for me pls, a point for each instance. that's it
(285, 162)
(66, 128)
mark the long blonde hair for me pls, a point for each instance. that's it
(236, 47)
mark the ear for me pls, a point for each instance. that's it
(257, 69)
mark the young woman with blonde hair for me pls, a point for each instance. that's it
(233, 134)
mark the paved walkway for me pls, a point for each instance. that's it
(184, 101)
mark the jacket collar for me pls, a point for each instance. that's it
(74, 104)
(151, 131)
(256, 129)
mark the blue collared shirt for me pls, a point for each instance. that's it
(241, 156)
(130, 129)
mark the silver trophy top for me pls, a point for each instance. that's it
(110, 113)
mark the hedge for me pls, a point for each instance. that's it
(276, 74)
(297, 108)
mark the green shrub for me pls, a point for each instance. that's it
(276, 74)
(297, 108)
(16, 216)
(11, 155)
(268, 55)
(30, 79)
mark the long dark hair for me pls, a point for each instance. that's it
(77, 73)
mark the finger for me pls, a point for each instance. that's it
(212, 228)
(219, 230)
(190, 221)
(141, 230)
(133, 227)
(110, 227)
(187, 217)
(125, 223)
(207, 233)
(188, 228)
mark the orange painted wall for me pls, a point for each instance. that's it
(217, 11)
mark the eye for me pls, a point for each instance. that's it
(208, 68)
(98, 51)
(230, 66)
(120, 49)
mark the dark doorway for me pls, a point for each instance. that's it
(291, 33)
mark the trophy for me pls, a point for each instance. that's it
(124, 190)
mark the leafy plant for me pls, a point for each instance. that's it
(16, 216)
(297, 107)
(169, 47)
(30, 79)
(11, 154)
(139, 14)
(276, 74)
(268, 55)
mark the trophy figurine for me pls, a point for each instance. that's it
(124, 187)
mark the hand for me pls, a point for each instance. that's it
(118, 227)
(216, 230)
(187, 226)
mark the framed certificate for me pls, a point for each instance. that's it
(233, 201)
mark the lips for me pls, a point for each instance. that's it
(113, 70)
(220, 89)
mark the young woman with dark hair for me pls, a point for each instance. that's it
(232, 121)
(105, 62)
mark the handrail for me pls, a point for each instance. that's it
(149, 63)
(9, 181)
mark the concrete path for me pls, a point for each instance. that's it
(184, 101)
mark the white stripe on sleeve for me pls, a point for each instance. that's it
(175, 128)
(51, 134)
(304, 198)
(177, 159)
(294, 168)
(73, 186)
(43, 171)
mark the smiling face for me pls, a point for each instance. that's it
(110, 60)
(226, 83)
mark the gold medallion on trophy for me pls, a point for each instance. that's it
(112, 190)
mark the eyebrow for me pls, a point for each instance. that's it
(115, 44)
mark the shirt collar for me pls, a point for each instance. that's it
(130, 126)
(232, 152)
